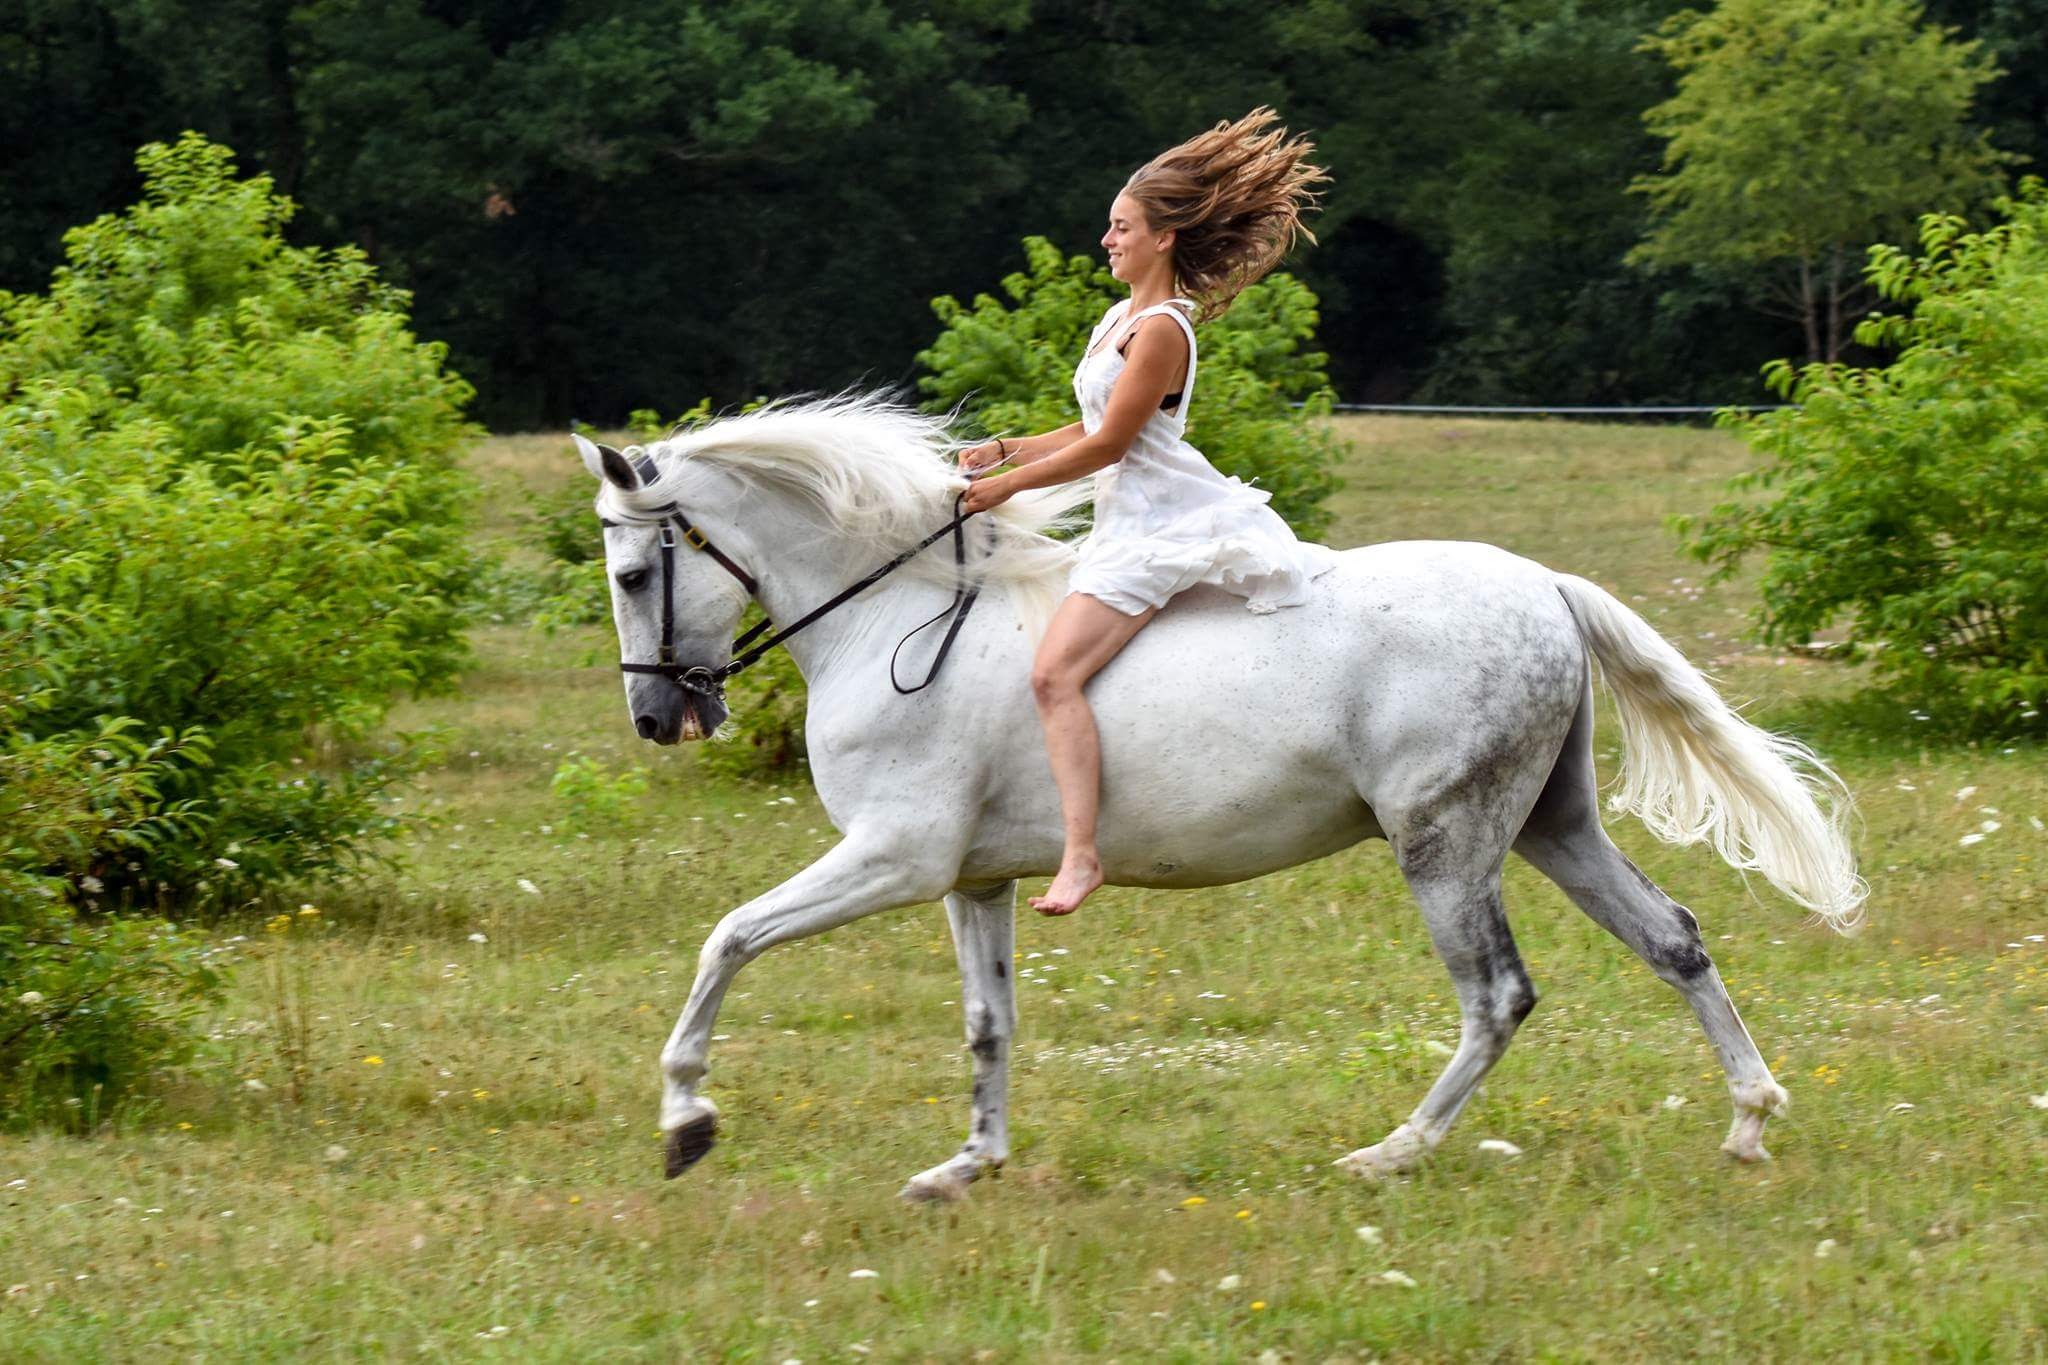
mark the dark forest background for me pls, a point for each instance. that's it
(604, 205)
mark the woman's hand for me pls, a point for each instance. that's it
(987, 455)
(983, 494)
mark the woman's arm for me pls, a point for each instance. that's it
(1019, 449)
(1151, 360)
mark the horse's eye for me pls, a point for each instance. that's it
(633, 580)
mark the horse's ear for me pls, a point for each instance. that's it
(605, 463)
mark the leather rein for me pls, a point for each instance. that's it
(762, 637)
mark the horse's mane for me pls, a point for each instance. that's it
(884, 472)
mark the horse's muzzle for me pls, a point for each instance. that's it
(672, 714)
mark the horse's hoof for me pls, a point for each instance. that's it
(930, 1188)
(1749, 1152)
(1366, 1163)
(1400, 1150)
(688, 1144)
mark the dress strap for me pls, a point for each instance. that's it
(1107, 324)
(1187, 390)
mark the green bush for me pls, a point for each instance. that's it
(229, 538)
(1908, 504)
(1012, 370)
(228, 493)
(763, 738)
(90, 1005)
(592, 795)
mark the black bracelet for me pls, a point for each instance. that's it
(1002, 452)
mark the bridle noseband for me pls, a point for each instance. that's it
(751, 645)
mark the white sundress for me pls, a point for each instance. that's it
(1165, 518)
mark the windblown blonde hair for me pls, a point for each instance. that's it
(1235, 196)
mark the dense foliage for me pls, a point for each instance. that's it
(228, 539)
(1909, 503)
(610, 204)
(1012, 369)
(1802, 131)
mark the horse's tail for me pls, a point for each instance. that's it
(1695, 771)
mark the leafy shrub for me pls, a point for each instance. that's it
(594, 795)
(763, 738)
(89, 1005)
(229, 509)
(1013, 369)
(1909, 503)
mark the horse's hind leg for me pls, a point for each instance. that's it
(1563, 839)
(1462, 906)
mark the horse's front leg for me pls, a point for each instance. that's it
(858, 877)
(984, 932)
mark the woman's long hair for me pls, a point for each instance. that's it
(1235, 196)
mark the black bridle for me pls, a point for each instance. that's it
(760, 638)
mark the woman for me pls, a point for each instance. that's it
(1204, 220)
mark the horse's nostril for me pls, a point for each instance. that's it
(646, 725)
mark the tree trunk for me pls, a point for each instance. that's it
(1809, 310)
(287, 160)
(1834, 305)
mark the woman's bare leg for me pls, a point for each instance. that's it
(1084, 635)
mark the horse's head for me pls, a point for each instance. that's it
(675, 606)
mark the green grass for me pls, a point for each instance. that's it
(495, 1169)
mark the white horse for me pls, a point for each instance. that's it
(1433, 694)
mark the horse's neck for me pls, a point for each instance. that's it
(804, 569)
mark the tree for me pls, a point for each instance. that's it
(1520, 183)
(1802, 130)
(1909, 503)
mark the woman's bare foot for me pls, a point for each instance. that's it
(1078, 878)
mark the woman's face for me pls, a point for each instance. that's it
(1135, 250)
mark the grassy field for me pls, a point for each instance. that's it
(423, 1125)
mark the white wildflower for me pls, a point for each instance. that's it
(1370, 1235)
(2038, 1101)
(336, 1152)
(1674, 1101)
(1499, 1145)
(29, 998)
(528, 887)
(1230, 1284)
(226, 864)
(1440, 1049)
(1394, 1277)
(863, 1274)
(1824, 1248)
(1162, 1276)
(254, 1086)
(478, 938)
